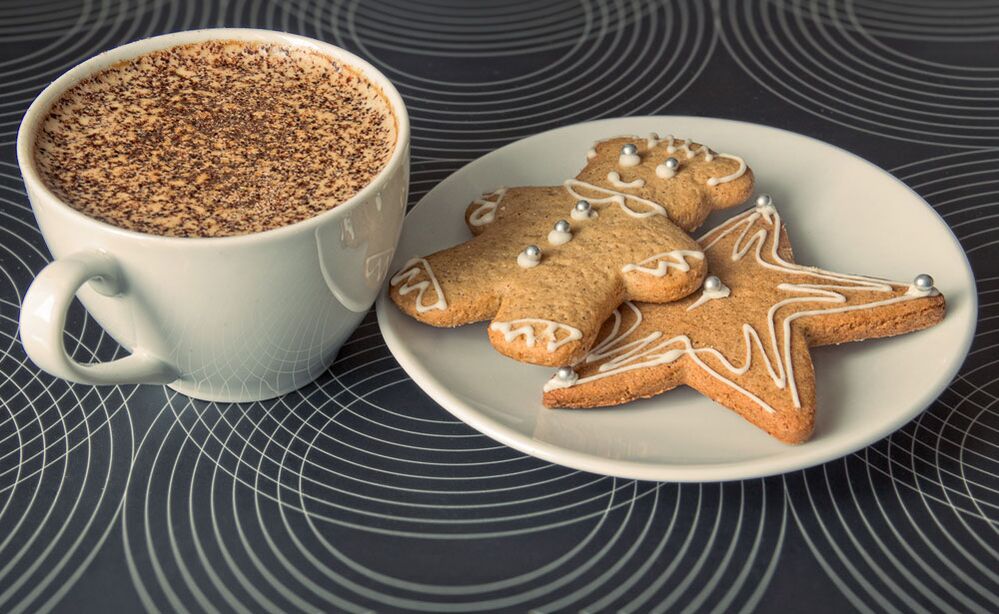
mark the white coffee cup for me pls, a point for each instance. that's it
(240, 318)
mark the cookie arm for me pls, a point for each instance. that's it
(448, 288)
(483, 211)
(674, 270)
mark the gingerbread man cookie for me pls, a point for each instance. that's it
(743, 340)
(548, 265)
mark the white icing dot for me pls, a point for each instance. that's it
(665, 172)
(629, 160)
(716, 289)
(583, 210)
(915, 290)
(557, 382)
(558, 237)
(527, 261)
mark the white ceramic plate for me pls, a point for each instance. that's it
(842, 212)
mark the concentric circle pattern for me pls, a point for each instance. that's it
(844, 62)
(358, 493)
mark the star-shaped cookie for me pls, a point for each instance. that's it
(548, 265)
(744, 339)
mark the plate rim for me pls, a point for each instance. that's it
(672, 472)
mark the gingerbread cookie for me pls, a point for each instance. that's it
(550, 264)
(743, 340)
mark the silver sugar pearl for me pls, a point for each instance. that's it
(712, 283)
(923, 282)
(764, 200)
(563, 226)
(672, 164)
(582, 205)
(629, 149)
(565, 373)
(533, 251)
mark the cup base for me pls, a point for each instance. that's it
(244, 395)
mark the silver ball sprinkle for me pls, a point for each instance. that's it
(923, 282)
(533, 251)
(764, 200)
(629, 149)
(712, 283)
(672, 164)
(582, 205)
(565, 373)
(563, 226)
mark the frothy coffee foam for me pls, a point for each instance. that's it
(216, 138)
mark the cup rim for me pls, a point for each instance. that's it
(29, 126)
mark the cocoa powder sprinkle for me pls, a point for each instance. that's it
(215, 139)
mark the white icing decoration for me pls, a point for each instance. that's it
(629, 160)
(525, 327)
(615, 179)
(676, 259)
(591, 153)
(619, 198)
(526, 261)
(918, 292)
(651, 350)
(769, 210)
(665, 172)
(589, 214)
(557, 382)
(486, 213)
(713, 181)
(557, 237)
(672, 147)
(410, 271)
(710, 295)
(661, 353)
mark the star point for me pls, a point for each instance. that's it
(748, 348)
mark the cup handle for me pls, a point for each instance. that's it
(43, 317)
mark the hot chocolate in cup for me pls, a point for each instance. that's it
(224, 202)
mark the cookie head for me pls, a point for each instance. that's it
(687, 178)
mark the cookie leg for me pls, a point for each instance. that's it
(553, 319)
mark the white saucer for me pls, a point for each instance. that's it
(842, 212)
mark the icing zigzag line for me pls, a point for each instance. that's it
(645, 352)
(410, 271)
(676, 259)
(486, 212)
(619, 198)
(511, 331)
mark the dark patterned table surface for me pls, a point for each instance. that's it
(359, 493)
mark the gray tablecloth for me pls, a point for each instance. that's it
(359, 493)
